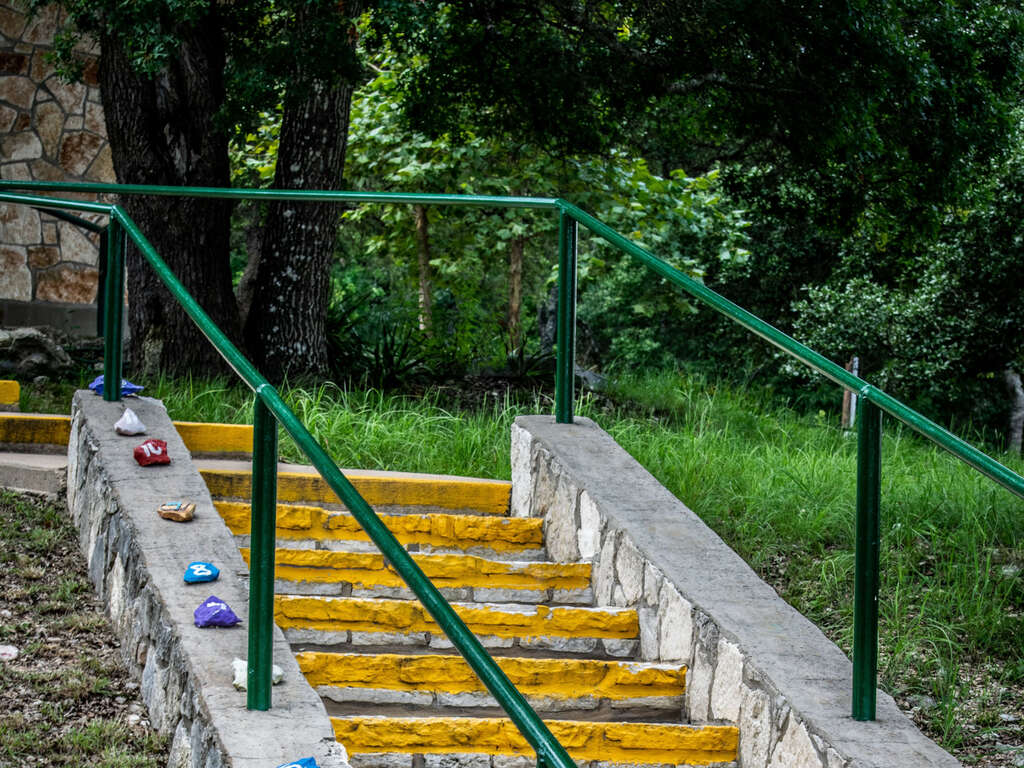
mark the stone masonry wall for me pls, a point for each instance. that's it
(49, 131)
(753, 660)
(136, 561)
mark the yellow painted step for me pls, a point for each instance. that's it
(297, 522)
(331, 614)
(373, 570)
(636, 743)
(42, 429)
(34, 429)
(10, 393)
(551, 678)
(488, 497)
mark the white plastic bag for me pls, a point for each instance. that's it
(129, 424)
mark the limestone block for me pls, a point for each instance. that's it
(466, 699)
(41, 256)
(19, 225)
(7, 117)
(727, 692)
(71, 96)
(629, 571)
(755, 724)
(583, 596)
(835, 760)
(102, 168)
(42, 25)
(604, 570)
(69, 284)
(652, 585)
(15, 172)
(702, 670)
(795, 749)
(560, 644)
(649, 624)
(675, 633)
(49, 121)
(457, 760)
(522, 476)
(74, 123)
(43, 170)
(589, 535)
(512, 761)
(375, 696)
(620, 649)
(492, 595)
(78, 150)
(560, 526)
(15, 277)
(381, 760)
(41, 67)
(12, 23)
(19, 91)
(77, 245)
(378, 638)
(21, 146)
(180, 753)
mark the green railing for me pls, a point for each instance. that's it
(269, 407)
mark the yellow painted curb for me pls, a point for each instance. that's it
(551, 678)
(372, 570)
(333, 614)
(10, 392)
(297, 522)
(609, 742)
(34, 428)
(489, 497)
(201, 437)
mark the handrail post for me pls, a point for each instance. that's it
(865, 600)
(565, 364)
(113, 309)
(262, 544)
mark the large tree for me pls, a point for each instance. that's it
(177, 77)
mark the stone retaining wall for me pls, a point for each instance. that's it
(136, 561)
(50, 130)
(753, 660)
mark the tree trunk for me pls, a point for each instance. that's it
(285, 327)
(515, 293)
(1015, 423)
(162, 131)
(423, 257)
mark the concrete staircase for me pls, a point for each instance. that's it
(397, 693)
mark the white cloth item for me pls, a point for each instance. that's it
(129, 424)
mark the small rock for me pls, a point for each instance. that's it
(129, 424)
(5, 614)
(152, 452)
(1006, 717)
(177, 511)
(214, 612)
(120, 699)
(199, 572)
(8, 653)
(134, 719)
(241, 673)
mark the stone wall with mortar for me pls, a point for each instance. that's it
(753, 660)
(50, 130)
(136, 561)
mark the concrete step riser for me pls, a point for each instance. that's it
(326, 621)
(447, 682)
(459, 577)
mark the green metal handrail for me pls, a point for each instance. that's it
(270, 407)
(570, 216)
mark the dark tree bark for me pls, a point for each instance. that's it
(286, 322)
(1015, 422)
(515, 293)
(162, 131)
(423, 263)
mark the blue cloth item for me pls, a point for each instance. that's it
(198, 572)
(306, 762)
(214, 612)
(127, 388)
